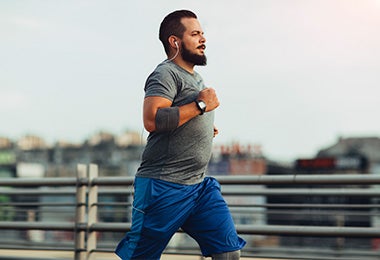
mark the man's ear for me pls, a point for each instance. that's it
(173, 41)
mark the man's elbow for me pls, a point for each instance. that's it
(150, 126)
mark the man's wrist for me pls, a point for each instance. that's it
(201, 105)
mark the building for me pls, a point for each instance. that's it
(368, 147)
(347, 156)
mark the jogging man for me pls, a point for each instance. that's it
(171, 189)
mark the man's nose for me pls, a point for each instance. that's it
(203, 39)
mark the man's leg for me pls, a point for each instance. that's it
(159, 210)
(142, 242)
(234, 255)
(211, 224)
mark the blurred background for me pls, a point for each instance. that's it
(292, 76)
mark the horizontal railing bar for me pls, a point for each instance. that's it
(238, 180)
(291, 205)
(266, 179)
(39, 182)
(116, 191)
(319, 250)
(282, 212)
(38, 211)
(301, 179)
(26, 225)
(44, 248)
(38, 204)
(117, 204)
(246, 191)
(268, 205)
(113, 181)
(334, 255)
(37, 192)
(28, 243)
(242, 191)
(305, 212)
(313, 213)
(33, 244)
(269, 230)
(308, 231)
(302, 191)
(35, 248)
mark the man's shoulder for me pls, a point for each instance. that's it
(171, 67)
(166, 66)
(163, 71)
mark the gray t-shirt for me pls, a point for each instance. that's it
(181, 155)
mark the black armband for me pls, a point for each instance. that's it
(167, 119)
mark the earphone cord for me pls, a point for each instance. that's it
(175, 56)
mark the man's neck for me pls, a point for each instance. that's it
(184, 64)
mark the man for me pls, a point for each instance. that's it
(171, 189)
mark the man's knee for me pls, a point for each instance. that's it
(234, 255)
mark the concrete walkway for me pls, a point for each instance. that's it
(62, 255)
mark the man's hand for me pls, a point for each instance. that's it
(208, 96)
(216, 131)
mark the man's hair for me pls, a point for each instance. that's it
(171, 25)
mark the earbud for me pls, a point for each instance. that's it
(176, 44)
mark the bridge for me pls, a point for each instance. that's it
(281, 216)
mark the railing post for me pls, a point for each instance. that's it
(92, 209)
(80, 213)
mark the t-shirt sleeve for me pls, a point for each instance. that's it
(161, 83)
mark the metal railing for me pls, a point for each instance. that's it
(87, 187)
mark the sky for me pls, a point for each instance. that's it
(291, 75)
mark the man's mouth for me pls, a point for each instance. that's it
(202, 47)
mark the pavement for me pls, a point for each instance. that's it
(63, 255)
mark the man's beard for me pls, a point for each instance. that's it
(193, 58)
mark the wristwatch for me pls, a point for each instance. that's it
(201, 106)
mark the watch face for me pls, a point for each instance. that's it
(202, 105)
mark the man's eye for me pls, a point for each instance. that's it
(196, 33)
